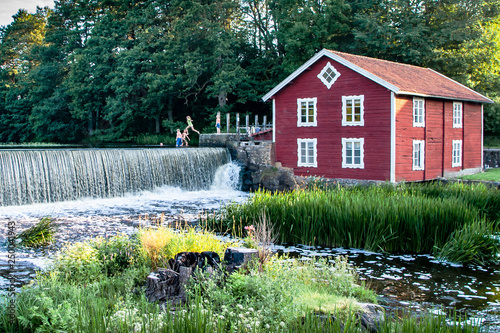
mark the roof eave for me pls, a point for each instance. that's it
(485, 100)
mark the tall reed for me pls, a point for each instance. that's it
(376, 218)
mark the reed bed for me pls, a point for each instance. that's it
(385, 218)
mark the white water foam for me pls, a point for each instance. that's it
(165, 199)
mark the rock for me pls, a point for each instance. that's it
(237, 257)
(371, 316)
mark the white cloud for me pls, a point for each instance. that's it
(9, 8)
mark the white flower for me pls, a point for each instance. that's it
(267, 326)
(282, 324)
(239, 306)
(250, 309)
(221, 317)
(241, 316)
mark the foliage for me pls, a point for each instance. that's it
(492, 141)
(409, 218)
(111, 71)
(279, 298)
(40, 234)
(116, 253)
(161, 244)
(79, 263)
(474, 244)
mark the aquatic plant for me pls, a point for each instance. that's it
(475, 243)
(375, 218)
(40, 234)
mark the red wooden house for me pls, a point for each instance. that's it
(347, 116)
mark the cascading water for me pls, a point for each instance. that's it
(42, 176)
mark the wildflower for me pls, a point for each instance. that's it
(250, 309)
(267, 326)
(239, 306)
(282, 324)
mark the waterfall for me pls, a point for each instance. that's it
(41, 176)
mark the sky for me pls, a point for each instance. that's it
(8, 8)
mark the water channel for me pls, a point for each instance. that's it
(417, 282)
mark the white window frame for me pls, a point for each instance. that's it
(418, 107)
(421, 155)
(456, 153)
(457, 114)
(307, 123)
(361, 164)
(353, 99)
(336, 75)
(314, 163)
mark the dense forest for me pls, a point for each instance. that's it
(112, 70)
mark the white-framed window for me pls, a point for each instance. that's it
(307, 153)
(306, 111)
(456, 153)
(353, 153)
(418, 112)
(457, 115)
(353, 110)
(418, 154)
(328, 75)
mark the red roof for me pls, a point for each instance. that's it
(400, 78)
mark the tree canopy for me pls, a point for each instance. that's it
(117, 69)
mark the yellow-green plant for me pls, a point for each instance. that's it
(162, 244)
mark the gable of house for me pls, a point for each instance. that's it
(348, 116)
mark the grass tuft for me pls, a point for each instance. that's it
(40, 234)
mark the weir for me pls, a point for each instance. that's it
(42, 176)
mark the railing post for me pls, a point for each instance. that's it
(228, 123)
(238, 123)
(264, 123)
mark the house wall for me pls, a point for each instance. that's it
(438, 135)
(329, 130)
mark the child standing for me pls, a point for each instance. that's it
(185, 137)
(178, 138)
(190, 124)
(217, 122)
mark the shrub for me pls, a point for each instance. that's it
(116, 253)
(79, 263)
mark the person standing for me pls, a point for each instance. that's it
(185, 137)
(178, 139)
(217, 122)
(190, 124)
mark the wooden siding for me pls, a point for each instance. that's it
(472, 151)
(405, 134)
(329, 131)
(438, 136)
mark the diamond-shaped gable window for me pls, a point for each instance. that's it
(328, 75)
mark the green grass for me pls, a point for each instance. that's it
(487, 175)
(284, 295)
